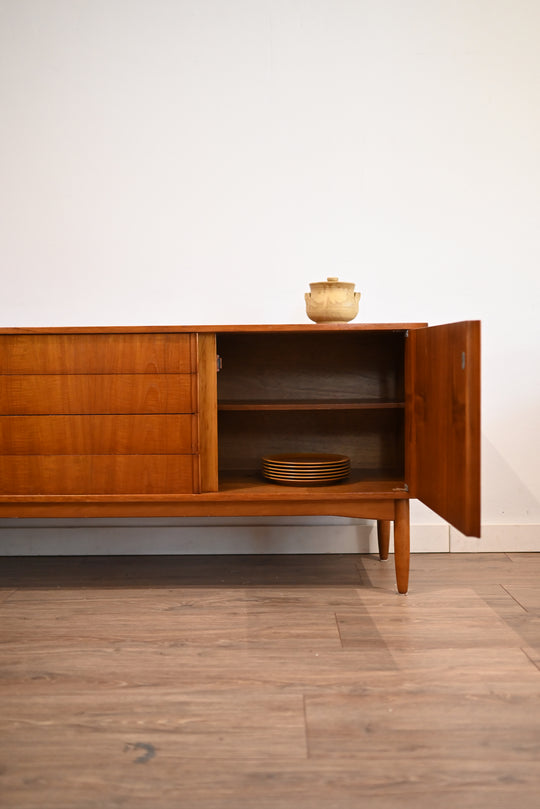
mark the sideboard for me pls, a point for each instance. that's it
(173, 421)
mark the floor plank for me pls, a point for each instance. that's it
(268, 681)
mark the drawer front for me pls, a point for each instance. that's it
(99, 413)
(97, 353)
(98, 435)
(96, 474)
(35, 394)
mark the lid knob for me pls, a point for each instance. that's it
(332, 279)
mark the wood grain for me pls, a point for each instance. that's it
(98, 434)
(35, 394)
(312, 405)
(95, 353)
(383, 538)
(443, 452)
(207, 438)
(95, 474)
(314, 366)
(272, 681)
(402, 545)
(373, 440)
(228, 328)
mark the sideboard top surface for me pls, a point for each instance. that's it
(279, 327)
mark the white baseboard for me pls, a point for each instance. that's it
(87, 539)
(266, 535)
(500, 538)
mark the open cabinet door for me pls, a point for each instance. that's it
(443, 421)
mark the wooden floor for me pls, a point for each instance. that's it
(269, 682)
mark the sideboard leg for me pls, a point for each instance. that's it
(383, 537)
(402, 548)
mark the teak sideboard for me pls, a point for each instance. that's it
(173, 421)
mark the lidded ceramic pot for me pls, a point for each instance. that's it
(332, 301)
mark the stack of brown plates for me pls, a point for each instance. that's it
(306, 468)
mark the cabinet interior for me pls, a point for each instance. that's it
(340, 392)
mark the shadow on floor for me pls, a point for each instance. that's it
(168, 571)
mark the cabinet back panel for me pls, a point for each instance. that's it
(97, 435)
(373, 440)
(338, 366)
(101, 393)
(95, 353)
(96, 474)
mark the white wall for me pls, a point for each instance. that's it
(201, 161)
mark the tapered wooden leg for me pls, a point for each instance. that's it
(383, 537)
(402, 547)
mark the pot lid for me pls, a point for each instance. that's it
(332, 280)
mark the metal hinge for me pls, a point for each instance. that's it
(219, 363)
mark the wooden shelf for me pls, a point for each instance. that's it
(359, 482)
(310, 405)
(243, 485)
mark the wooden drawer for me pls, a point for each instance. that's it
(97, 353)
(107, 413)
(96, 474)
(98, 435)
(35, 394)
